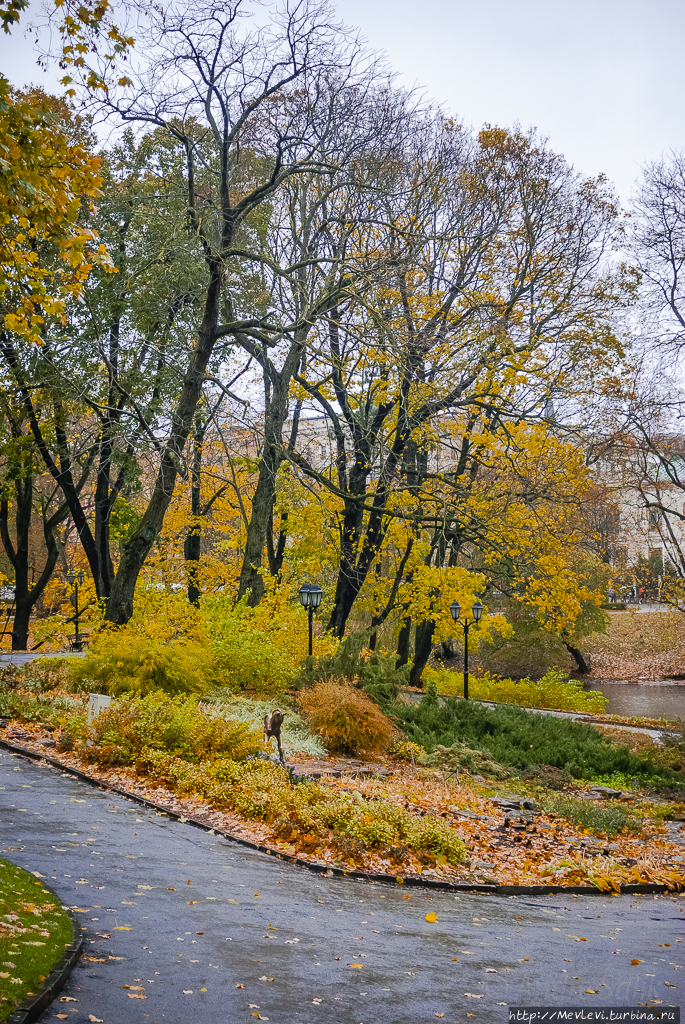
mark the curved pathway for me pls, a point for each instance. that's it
(183, 926)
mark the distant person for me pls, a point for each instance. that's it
(611, 596)
(642, 594)
(632, 595)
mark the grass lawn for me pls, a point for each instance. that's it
(34, 930)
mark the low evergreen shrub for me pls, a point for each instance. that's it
(347, 720)
(516, 738)
(405, 750)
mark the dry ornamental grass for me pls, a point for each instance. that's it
(346, 720)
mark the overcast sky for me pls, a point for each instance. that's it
(604, 80)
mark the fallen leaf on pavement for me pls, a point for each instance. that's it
(455, 958)
(592, 991)
(68, 999)
(432, 917)
(258, 1015)
(239, 985)
(122, 928)
(440, 1015)
(264, 978)
(669, 985)
(62, 1016)
(637, 961)
(356, 965)
(490, 970)
(135, 995)
(95, 1020)
(471, 995)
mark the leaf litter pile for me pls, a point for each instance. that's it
(34, 930)
(411, 822)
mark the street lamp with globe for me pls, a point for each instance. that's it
(310, 598)
(73, 579)
(477, 611)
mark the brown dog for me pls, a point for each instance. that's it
(272, 727)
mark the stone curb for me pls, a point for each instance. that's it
(328, 870)
(32, 1007)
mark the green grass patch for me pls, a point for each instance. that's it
(34, 931)
(518, 738)
(610, 819)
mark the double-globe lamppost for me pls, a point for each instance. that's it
(477, 611)
(310, 598)
(73, 579)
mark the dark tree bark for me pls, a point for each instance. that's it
(404, 643)
(422, 652)
(25, 594)
(193, 541)
(582, 665)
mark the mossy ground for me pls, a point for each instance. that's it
(34, 931)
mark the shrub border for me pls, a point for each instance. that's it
(328, 870)
(34, 1005)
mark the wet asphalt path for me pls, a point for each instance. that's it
(251, 937)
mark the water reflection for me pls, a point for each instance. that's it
(658, 699)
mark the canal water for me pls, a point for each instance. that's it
(661, 698)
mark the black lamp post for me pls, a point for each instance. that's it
(477, 610)
(310, 598)
(73, 579)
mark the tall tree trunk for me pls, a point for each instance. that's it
(136, 550)
(583, 666)
(404, 643)
(26, 596)
(251, 583)
(422, 652)
(192, 544)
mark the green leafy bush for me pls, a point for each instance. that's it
(346, 720)
(515, 737)
(308, 814)
(131, 726)
(555, 691)
(247, 656)
(406, 750)
(120, 662)
(374, 671)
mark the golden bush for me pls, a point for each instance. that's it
(347, 721)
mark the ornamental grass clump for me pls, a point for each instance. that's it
(177, 726)
(347, 721)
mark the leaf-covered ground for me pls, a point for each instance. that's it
(610, 845)
(638, 645)
(34, 930)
